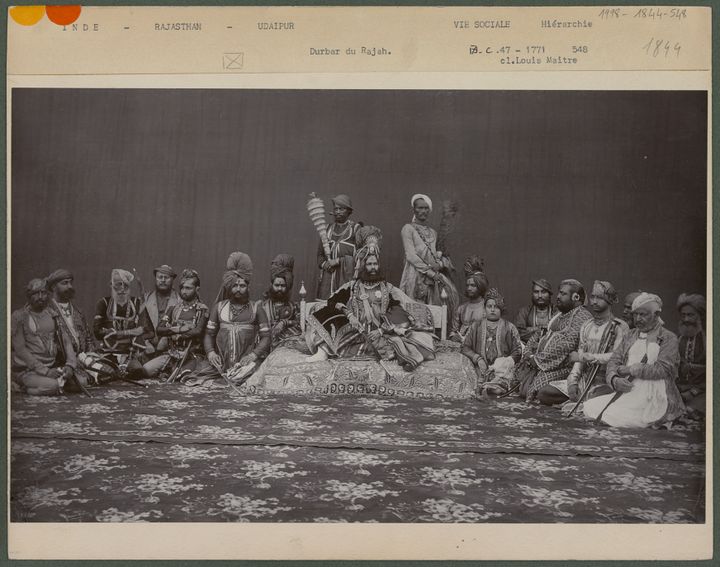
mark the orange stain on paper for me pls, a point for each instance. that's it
(27, 15)
(63, 15)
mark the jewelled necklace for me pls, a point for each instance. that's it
(237, 310)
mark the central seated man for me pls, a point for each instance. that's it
(370, 317)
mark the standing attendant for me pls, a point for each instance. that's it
(338, 269)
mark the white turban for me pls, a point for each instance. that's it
(425, 198)
(121, 275)
(644, 298)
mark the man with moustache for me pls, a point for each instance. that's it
(237, 336)
(536, 316)
(370, 317)
(116, 323)
(62, 291)
(337, 270)
(476, 285)
(425, 275)
(627, 314)
(547, 357)
(599, 337)
(283, 315)
(156, 305)
(37, 342)
(691, 373)
(183, 327)
(642, 373)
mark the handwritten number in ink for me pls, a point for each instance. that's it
(656, 47)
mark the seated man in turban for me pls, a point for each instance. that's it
(425, 275)
(183, 327)
(599, 337)
(370, 317)
(117, 317)
(547, 356)
(43, 358)
(536, 316)
(337, 270)
(282, 314)
(476, 285)
(691, 374)
(237, 337)
(493, 340)
(642, 373)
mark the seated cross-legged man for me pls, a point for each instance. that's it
(493, 345)
(547, 356)
(183, 327)
(283, 314)
(691, 374)
(599, 337)
(641, 373)
(43, 359)
(368, 316)
(237, 337)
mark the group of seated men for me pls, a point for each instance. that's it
(628, 371)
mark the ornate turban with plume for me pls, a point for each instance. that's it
(495, 294)
(475, 268)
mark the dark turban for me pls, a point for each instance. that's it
(35, 285)
(475, 268)
(190, 274)
(282, 267)
(342, 201)
(544, 284)
(242, 264)
(497, 296)
(58, 276)
(694, 300)
(606, 291)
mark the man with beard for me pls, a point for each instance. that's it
(37, 343)
(370, 317)
(425, 275)
(546, 357)
(599, 337)
(282, 314)
(157, 304)
(237, 337)
(535, 317)
(117, 317)
(183, 327)
(476, 285)
(642, 373)
(627, 314)
(691, 375)
(72, 320)
(337, 270)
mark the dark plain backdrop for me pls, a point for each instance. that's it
(590, 185)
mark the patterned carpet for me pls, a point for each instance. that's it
(173, 453)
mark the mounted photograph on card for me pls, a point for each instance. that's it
(271, 286)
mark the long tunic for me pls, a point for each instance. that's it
(111, 316)
(465, 316)
(154, 308)
(654, 397)
(421, 256)
(592, 335)
(193, 318)
(34, 342)
(342, 247)
(73, 323)
(235, 333)
(552, 349)
(405, 336)
(482, 344)
(283, 318)
(530, 319)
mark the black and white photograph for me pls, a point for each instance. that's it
(327, 305)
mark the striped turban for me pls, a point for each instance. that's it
(282, 267)
(606, 291)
